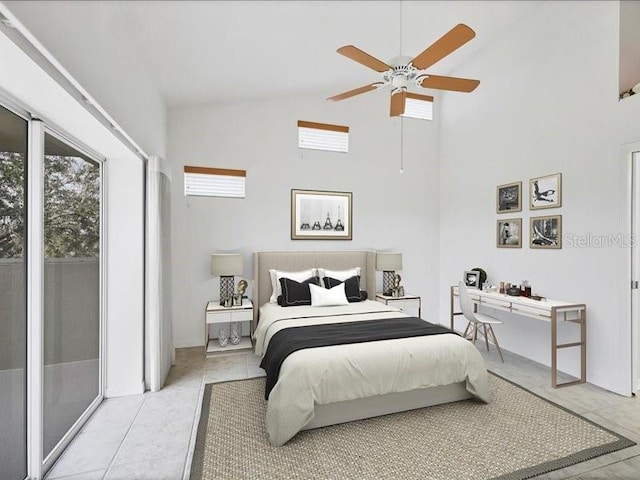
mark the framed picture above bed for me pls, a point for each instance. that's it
(321, 215)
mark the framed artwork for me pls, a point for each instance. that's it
(472, 279)
(509, 197)
(546, 232)
(509, 233)
(545, 192)
(320, 215)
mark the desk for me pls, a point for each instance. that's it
(546, 310)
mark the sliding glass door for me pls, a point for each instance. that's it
(13, 300)
(71, 290)
(50, 293)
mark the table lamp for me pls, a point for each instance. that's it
(388, 263)
(225, 266)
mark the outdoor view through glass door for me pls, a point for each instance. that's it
(13, 313)
(71, 319)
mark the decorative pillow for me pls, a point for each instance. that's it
(323, 297)
(295, 293)
(363, 295)
(276, 288)
(351, 287)
(339, 274)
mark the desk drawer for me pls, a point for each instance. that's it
(532, 311)
(496, 303)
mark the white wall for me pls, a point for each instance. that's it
(391, 211)
(90, 40)
(547, 103)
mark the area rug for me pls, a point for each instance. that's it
(518, 435)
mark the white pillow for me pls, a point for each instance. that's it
(327, 297)
(341, 275)
(276, 275)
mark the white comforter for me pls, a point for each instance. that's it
(348, 372)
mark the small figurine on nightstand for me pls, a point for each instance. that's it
(242, 288)
(397, 290)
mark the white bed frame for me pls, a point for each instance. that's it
(341, 412)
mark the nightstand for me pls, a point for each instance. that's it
(217, 316)
(409, 304)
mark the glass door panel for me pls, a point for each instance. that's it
(13, 312)
(71, 322)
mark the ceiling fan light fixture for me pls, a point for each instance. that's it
(399, 81)
(412, 105)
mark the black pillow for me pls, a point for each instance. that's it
(351, 287)
(295, 293)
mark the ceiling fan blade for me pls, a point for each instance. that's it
(450, 83)
(364, 58)
(355, 91)
(450, 41)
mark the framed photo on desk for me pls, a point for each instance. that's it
(472, 279)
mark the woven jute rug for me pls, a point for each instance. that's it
(518, 435)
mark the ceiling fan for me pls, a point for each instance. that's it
(402, 72)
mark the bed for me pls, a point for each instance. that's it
(333, 384)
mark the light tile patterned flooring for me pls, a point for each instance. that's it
(150, 436)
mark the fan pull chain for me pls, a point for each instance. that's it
(400, 52)
(401, 144)
(401, 118)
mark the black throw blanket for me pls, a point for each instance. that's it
(292, 339)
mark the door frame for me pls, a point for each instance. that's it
(631, 155)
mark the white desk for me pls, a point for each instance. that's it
(546, 310)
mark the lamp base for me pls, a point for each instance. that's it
(387, 282)
(226, 290)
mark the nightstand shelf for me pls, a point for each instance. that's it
(214, 347)
(409, 304)
(217, 316)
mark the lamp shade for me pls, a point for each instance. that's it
(226, 264)
(388, 262)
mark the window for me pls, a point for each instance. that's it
(323, 136)
(412, 105)
(214, 182)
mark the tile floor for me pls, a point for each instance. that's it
(150, 436)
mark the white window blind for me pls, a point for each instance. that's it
(412, 105)
(418, 108)
(323, 136)
(214, 182)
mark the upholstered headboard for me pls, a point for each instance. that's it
(293, 261)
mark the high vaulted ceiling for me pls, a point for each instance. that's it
(207, 52)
